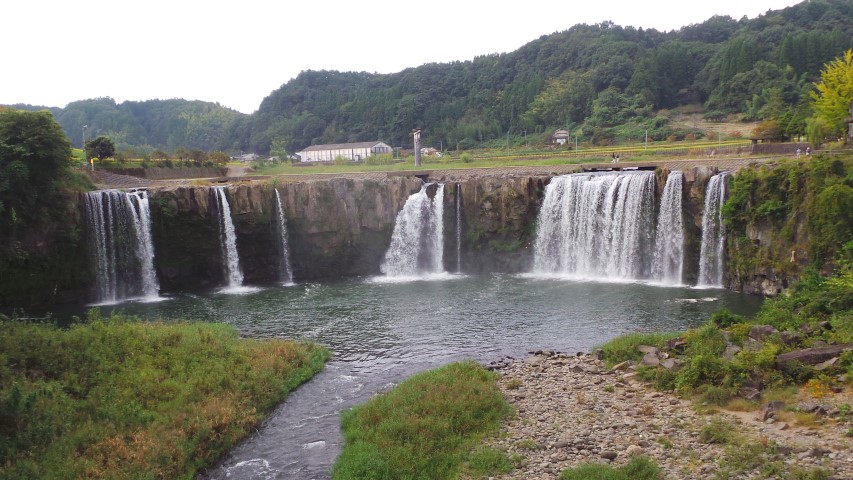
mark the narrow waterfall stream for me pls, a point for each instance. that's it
(122, 251)
(285, 269)
(597, 225)
(417, 244)
(228, 241)
(668, 263)
(712, 250)
(458, 228)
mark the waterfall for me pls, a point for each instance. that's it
(122, 251)
(417, 244)
(228, 240)
(668, 260)
(596, 225)
(458, 228)
(712, 251)
(285, 271)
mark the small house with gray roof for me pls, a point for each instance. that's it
(351, 151)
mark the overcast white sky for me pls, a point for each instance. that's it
(236, 53)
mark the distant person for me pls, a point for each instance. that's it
(808, 151)
(613, 157)
(798, 153)
(713, 152)
(617, 158)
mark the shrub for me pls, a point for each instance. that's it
(466, 158)
(723, 318)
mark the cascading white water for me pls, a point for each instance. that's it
(122, 250)
(596, 225)
(712, 251)
(668, 262)
(145, 248)
(458, 228)
(228, 240)
(417, 244)
(285, 270)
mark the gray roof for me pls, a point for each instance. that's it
(341, 146)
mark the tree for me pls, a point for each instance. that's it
(34, 154)
(100, 148)
(833, 94)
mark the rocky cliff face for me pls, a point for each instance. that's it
(336, 228)
(342, 227)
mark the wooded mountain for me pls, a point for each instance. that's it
(603, 81)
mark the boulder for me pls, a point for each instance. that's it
(812, 356)
(651, 360)
(760, 332)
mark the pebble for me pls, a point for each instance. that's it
(567, 411)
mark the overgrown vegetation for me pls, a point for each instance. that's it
(804, 206)
(41, 251)
(114, 397)
(426, 427)
(816, 311)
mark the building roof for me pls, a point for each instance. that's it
(561, 133)
(341, 146)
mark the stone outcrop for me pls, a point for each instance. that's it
(336, 228)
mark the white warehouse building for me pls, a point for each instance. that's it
(351, 151)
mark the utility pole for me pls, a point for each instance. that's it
(507, 140)
(647, 140)
(417, 134)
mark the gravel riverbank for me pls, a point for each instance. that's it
(571, 410)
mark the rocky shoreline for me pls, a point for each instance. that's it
(573, 410)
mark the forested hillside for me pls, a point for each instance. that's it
(604, 82)
(161, 124)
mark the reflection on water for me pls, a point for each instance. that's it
(382, 332)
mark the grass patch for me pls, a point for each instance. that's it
(489, 461)
(120, 398)
(638, 468)
(624, 348)
(719, 431)
(426, 427)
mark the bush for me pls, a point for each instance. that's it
(466, 158)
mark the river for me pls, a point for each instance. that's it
(382, 331)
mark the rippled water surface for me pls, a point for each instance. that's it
(384, 331)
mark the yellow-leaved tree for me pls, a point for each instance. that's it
(832, 96)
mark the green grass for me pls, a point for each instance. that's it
(624, 348)
(426, 427)
(638, 468)
(120, 398)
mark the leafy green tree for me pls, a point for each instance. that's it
(34, 154)
(100, 148)
(833, 94)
